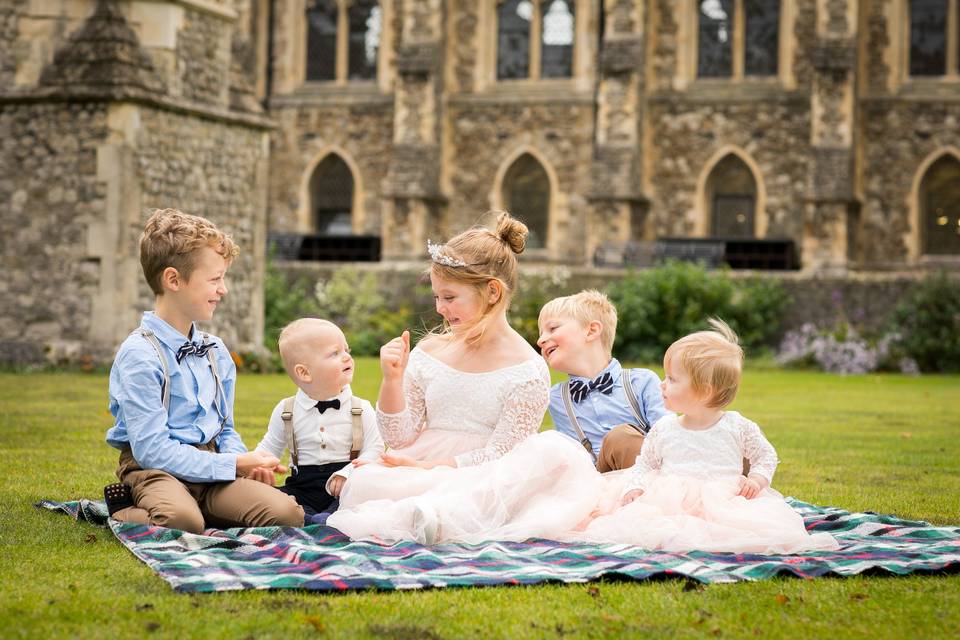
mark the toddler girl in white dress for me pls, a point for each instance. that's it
(687, 491)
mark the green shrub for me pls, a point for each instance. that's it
(657, 306)
(928, 323)
(534, 291)
(283, 302)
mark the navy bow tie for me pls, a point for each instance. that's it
(323, 405)
(580, 389)
(194, 349)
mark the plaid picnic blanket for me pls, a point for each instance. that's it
(318, 557)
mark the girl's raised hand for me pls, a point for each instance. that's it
(394, 356)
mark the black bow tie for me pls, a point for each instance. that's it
(194, 349)
(580, 389)
(323, 405)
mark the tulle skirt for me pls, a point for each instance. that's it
(678, 513)
(545, 487)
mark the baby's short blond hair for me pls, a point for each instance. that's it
(171, 238)
(713, 360)
(585, 307)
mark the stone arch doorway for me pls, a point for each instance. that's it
(332, 197)
(525, 193)
(939, 207)
(731, 199)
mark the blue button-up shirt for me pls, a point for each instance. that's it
(161, 439)
(598, 412)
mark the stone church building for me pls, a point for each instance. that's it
(823, 133)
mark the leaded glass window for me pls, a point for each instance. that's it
(322, 40)
(738, 38)
(761, 38)
(526, 193)
(928, 37)
(733, 194)
(940, 207)
(365, 27)
(715, 57)
(331, 197)
(557, 47)
(513, 39)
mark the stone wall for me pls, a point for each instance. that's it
(203, 58)
(51, 191)
(688, 134)
(216, 170)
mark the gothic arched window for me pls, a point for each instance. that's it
(526, 195)
(940, 207)
(343, 39)
(535, 39)
(331, 197)
(732, 197)
(932, 35)
(732, 48)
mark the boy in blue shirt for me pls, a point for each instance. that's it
(594, 406)
(182, 463)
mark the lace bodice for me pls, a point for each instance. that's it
(713, 453)
(506, 405)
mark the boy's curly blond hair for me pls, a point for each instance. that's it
(171, 238)
(712, 359)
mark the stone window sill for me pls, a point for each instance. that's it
(354, 92)
(554, 90)
(733, 90)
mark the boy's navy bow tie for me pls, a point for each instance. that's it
(580, 389)
(323, 405)
(194, 349)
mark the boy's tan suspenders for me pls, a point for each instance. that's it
(286, 414)
(642, 425)
(152, 339)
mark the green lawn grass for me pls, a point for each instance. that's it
(885, 443)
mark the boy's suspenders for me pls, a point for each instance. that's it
(286, 414)
(642, 425)
(152, 339)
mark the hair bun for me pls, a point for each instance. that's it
(512, 232)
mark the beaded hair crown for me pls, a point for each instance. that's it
(438, 255)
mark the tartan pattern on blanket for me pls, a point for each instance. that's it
(320, 558)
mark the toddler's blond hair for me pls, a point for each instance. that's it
(585, 307)
(713, 360)
(171, 238)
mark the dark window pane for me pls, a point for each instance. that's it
(322, 40)
(513, 39)
(714, 51)
(928, 37)
(734, 197)
(762, 25)
(526, 192)
(365, 25)
(940, 199)
(331, 196)
(558, 34)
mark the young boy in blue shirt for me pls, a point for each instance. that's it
(182, 463)
(594, 406)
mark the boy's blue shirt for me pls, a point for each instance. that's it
(163, 441)
(598, 413)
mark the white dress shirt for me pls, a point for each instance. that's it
(324, 438)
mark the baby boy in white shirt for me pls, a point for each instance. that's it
(324, 426)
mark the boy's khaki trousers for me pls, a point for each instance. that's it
(163, 500)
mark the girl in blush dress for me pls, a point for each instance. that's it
(686, 491)
(460, 413)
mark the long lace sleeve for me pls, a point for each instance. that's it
(648, 461)
(401, 429)
(758, 450)
(522, 414)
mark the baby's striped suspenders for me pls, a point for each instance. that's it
(286, 414)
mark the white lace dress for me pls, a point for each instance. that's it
(510, 483)
(690, 480)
